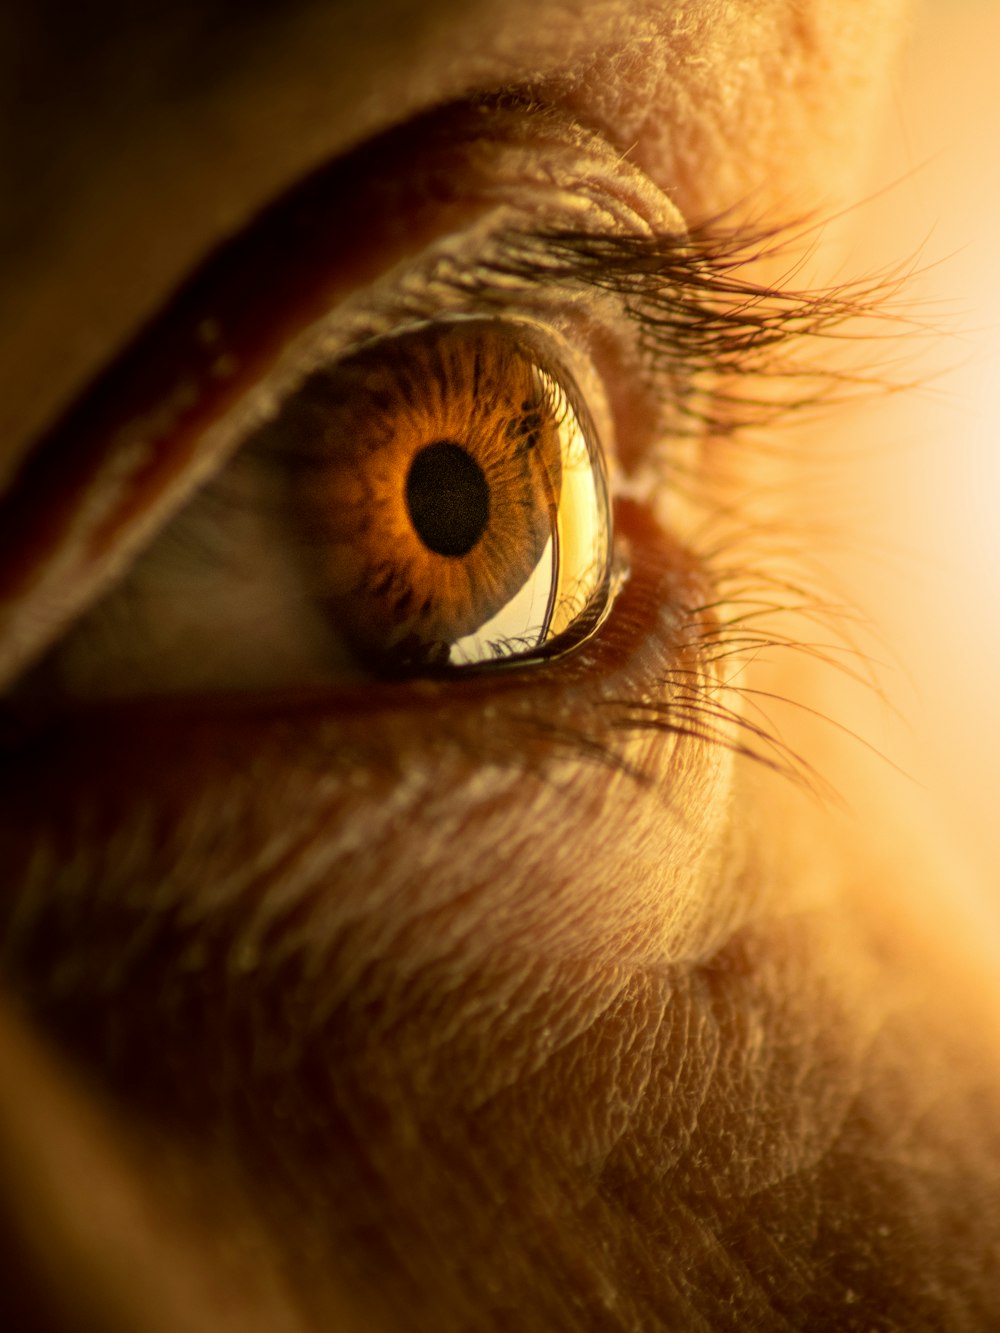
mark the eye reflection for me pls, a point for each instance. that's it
(450, 497)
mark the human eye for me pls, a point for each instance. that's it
(414, 465)
(224, 595)
(210, 590)
(435, 499)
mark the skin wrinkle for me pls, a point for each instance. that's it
(703, 1100)
(805, 1168)
(711, 1134)
(656, 1124)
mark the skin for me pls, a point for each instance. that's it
(361, 1011)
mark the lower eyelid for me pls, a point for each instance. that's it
(370, 768)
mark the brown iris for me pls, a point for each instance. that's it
(430, 470)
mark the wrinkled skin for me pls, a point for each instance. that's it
(408, 1014)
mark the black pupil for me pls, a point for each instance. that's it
(448, 498)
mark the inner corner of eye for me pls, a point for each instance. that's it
(454, 493)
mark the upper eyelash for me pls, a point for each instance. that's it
(701, 320)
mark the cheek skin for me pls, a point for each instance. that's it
(282, 898)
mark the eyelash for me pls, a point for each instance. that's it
(699, 319)
(699, 326)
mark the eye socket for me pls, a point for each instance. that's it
(448, 498)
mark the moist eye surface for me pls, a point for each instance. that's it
(446, 493)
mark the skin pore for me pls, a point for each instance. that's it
(411, 1007)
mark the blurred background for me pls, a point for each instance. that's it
(922, 557)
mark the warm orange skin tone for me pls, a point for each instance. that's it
(712, 1077)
